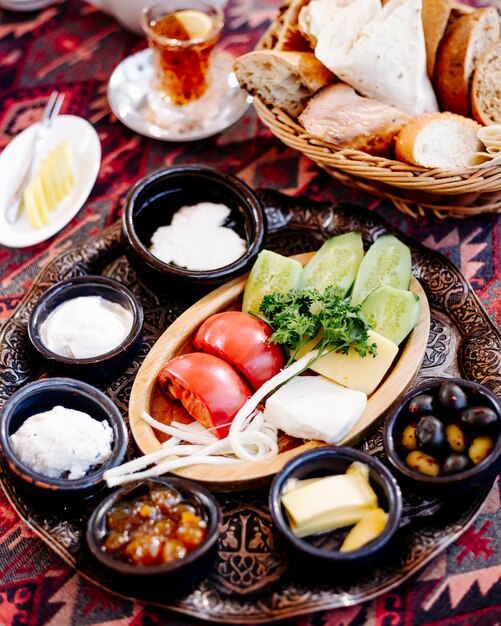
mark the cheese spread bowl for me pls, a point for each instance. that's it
(154, 200)
(177, 576)
(321, 550)
(464, 413)
(40, 397)
(116, 355)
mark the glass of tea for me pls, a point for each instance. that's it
(182, 35)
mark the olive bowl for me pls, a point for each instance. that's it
(320, 551)
(100, 367)
(43, 395)
(177, 577)
(152, 202)
(473, 477)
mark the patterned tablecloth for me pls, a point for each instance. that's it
(74, 47)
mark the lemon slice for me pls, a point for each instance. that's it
(196, 23)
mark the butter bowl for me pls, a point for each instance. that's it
(154, 200)
(322, 548)
(114, 358)
(42, 396)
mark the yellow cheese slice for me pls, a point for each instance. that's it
(328, 503)
(366, 530)
(352, 370)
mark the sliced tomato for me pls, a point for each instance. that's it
(241, 340)
(208, 388)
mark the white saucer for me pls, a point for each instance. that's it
(129, 95)
(87, 159)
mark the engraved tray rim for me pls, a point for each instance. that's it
(105, 247)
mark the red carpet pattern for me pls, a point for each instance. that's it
(75, 47)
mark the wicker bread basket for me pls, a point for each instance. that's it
(413, 190)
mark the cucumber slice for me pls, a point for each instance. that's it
(271, 273)
(392, 312)
(336, 263)
(387, 262)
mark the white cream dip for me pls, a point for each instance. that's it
(62, 443)
(197, 240)
(85, 327)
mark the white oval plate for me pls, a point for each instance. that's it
(87, 159)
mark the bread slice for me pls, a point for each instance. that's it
(338, 115)
(486, 87)
(289, 38)
(464, 43)
(442, 140)
(435, 17)
(283, 79)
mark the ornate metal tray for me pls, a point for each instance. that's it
(254, 579)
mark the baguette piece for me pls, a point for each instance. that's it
(466, 40)
(289, 38)
(435, 17)
(338, 115)
(283, 79)
(443, 140)
(486, 87)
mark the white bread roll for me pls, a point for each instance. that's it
(465, 41)
(442, 140)
(338, 115)
(283, 79)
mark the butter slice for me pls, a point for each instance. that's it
(352, 370)
(328, 503)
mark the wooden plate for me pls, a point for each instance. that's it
(176, 340)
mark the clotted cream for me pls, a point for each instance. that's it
(197, 240)
(85, 327)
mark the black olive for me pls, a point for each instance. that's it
(479, 420)
(455, 463)
(452, 398)
(421, 405)
(430, 434)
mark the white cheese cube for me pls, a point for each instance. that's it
(313, 407)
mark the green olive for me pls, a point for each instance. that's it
(409, 437)
(422, 463)
(480, 448)
(455, 437)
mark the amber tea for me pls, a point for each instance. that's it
(182, 41)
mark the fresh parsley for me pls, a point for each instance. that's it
(302, 315)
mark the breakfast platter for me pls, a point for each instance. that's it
(255, 579)
(177, 340)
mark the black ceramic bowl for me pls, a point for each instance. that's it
(153, 201)
(99, 367)
(326, 461)
(43, 395)
(474, 477)
(177, 577)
